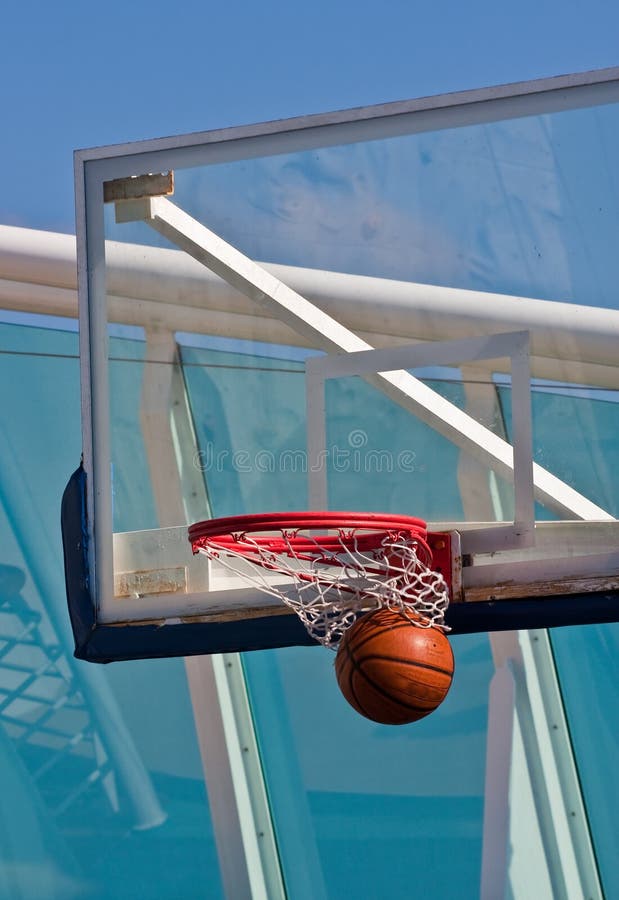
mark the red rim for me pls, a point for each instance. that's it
(230, 531)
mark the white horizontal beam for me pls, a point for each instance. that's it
(57, 301)
(567, 340)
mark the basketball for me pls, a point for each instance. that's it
(391, 671)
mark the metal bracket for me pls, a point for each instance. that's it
(136, 187)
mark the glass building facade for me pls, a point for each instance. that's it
(104, 791)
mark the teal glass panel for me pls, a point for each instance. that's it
(132, 497)
(101, 781)
(575, 436)
(365, 810)
(248, 412)
(384, 459)
(586, 660)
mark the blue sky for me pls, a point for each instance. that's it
(82, 74)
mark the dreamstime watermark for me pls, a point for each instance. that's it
(356, 457)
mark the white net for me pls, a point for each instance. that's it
(329, 587)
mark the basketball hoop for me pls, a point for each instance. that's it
(337, 565)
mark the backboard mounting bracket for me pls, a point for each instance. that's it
(135, 187)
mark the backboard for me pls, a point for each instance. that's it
(405, 309)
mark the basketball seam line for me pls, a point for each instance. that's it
(351, 686)
(396, 701)
(393, 700)
(352, 690)
(405, 662)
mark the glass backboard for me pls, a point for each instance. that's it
(406, 309)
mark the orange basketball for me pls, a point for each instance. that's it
(391, 671)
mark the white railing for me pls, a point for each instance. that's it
(569, 342)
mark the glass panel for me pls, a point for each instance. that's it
(382, 458)
(248, 409)
(585, 657)
(132, 497)
(587, 663)
(365, 810)
(520, 207)
(501, 212)
(102, 787)
(575, 433)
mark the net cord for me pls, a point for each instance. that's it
(329, 589)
